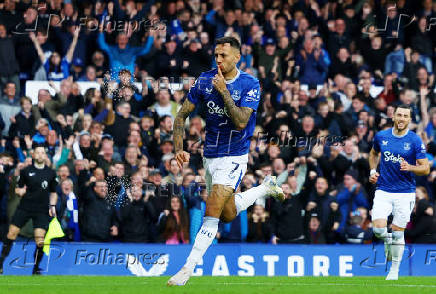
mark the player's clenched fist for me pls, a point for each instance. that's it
(219, 82)
(181, 157)
(373, 177)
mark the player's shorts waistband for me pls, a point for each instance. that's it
(243, 156)
(408, 194)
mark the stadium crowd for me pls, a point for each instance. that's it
(331, 74)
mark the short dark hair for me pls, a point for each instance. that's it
(231, 40)
(405, 106)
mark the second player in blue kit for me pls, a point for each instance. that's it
(402, 155)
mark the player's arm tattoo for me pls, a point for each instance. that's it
(238, 115)
(373, 159)
(179, 124)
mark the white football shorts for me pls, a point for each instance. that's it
(227, 171)
(399, 204)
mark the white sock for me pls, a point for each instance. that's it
(246, 199)
(204, 238)
(397, 249)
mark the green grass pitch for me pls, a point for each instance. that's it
(212, 285)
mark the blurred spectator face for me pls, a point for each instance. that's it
(195, 123)
(292, 182)
(363, 213)
(107, 147)
(366, 85)
(323, 109)
(278, 166)
(167, 124)
(204, 38)
(308, 124)
(175, 204)
(98, 174)
(67, 187)
(2, 31)
(124, 109)
(55, 58)
(422, 24)
(136, 192)
(283, 132)
(164, 97)
(137, 180)
(248, 181)
(63, 173)
(280, 32)
(51, 137)
(380, 104)
(270, 49)
(303, 25)
(273, 151)
(43, 128)
(230, 17)
(308, 46)
(125, 77)
(85, 141)
(79, 165)
(314, 224)
(258, 210)
(96, 128)
(30, 16)
(146, 123)
(321, 186)
(317, 42)
(100, 189)
(66, 87)
(170, 47)
(131, 155)
(127, 93)
(187, 179)
(283, 42)
(119, 170)
(174, 167)
(357, 105)
(286, 189)
(91, 74)
(349, 181)
(122, 41)
(87, 121)
(10, 90)
(302, 97)
(376, 43)
(166, 148)
(98, 58)
(350, 90)
(391, 10)
(266, 170)
(343, 54)
(134, 138)
(340, 26)
(68, 9)
(422, 76)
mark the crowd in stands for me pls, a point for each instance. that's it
(331, 74)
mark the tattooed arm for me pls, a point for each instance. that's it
(178, 132)
(239, 115)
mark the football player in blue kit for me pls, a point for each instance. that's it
(402, 155)
(231, 98)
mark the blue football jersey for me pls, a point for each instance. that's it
(392, 147)
(222, 138)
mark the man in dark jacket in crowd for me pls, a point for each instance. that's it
(8, 62)
(136, 217)
(287, 218)
(99, 217)
(325, 207)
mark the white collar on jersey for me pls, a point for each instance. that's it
(234, 79)
(399, 136)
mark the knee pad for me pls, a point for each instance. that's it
(380, 232)
(398, 237)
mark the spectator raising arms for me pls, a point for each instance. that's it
(56, 68)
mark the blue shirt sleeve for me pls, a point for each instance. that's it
(376, 143)
(251, 97)
(194, 92)
(420, 149)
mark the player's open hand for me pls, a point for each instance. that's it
(374, 177)
(219, 82)
(181, 157)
